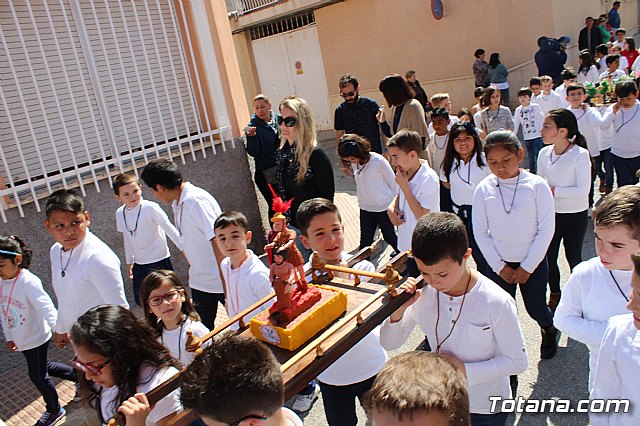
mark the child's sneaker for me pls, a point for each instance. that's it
(50, 419)
(303, 403)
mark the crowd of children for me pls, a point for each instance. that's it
(465, 196)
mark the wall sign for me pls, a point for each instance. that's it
(437, 9)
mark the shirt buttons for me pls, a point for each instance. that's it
(451, 298)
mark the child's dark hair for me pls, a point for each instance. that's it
(488, 92)
(11, 247)
(123, 179)
(586, 60)
(504, 138)
(440, 112)
(632, 44)
(64, 200)
(612, 58)
(161, 171)
(564, 119)
(635, 258)
(126, 341)
(621, 31)
(525, 91)
(467, 112)
(603, 49)
(626, 88)
(621, 207)
(352, 145)
(478, 52)
(407, 141)
(230, 217)
(452, 155)
(573, 87)
(439, 236)
(478, 91)
(417, 382)
(312, 208)
(154, 280)
(534, 81)
(235, 377)
(568, 74)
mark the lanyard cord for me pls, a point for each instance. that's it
(179, 221)
(468, 181)
(135, 227)
(229, 269)
(455, 322)
(513, 200)
(559, 155)
(63, 271)
(435, 140)
(5, 312)
(629, 120)
(179, 339)
(618, 285)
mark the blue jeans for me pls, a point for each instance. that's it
(498, 419)
(607, 173)
(626, 169)
(533, 147)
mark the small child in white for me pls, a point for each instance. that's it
(246, 277)
(619, 360)
(144, 226)
(529, 116)
(548, 99)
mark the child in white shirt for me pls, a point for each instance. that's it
(612, 72)
(28, 315)
(442, 100)
(419, 188)
(599, 288)
(437, 148)
(85, 272)
(375, 185)
(529, 116)
(568, 77)
(467, 318)
(548, 99)
(513, 223)
(619, 361)
(246, 277)
(144, 226)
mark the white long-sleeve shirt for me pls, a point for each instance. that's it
(592, 75)
(530, 118)
(589, 123)
(486, 337)
(375, 183)
(437, 149)
(464, 178)
(589, 299)
(606, 130)
(626, 127)
(30, 311)
(92, 277)
(549, 102)
(570, 174)
(176, 340)
(618, 371)
(524, 234)
(145, 233)
(246, 285)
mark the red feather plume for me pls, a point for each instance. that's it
(278, 205)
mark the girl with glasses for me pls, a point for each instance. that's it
(375, 185)
(170, 313)
(121, 360)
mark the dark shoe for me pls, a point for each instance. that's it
(513, 383)
(549, 345)
(601, 187)
(50, 419)
(554, 301)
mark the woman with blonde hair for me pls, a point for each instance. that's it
(304, 170)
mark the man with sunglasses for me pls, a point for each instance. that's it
(357, 114)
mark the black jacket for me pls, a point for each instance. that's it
(596, 39)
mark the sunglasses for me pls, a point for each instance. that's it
(349, 149)
(347, 95)
(93, 369)
(170, 297)
(288, 121)
(249, 417)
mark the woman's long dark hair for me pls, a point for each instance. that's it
(586, 60)
(127, 342)
(494, 60)
(564, 119)
(452, 155)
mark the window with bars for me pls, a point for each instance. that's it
(282, 25)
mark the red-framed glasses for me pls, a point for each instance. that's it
(94, 369)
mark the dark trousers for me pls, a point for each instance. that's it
(594, 173)
(40, 370)
(446, 205)
(340, 401)
(534, 292)
(504, 97)
(533, 147)
(207, 306)
(607, 174)
(140, 272)
(570, 229)
(370, 221)
(497, 419)
(263, 187)
(626, 169)
(464, 213)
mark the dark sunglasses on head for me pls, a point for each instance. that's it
(249, 417)
(468, 127)
(347, 95)
(94, 369)
(288, 121)
(349, 149)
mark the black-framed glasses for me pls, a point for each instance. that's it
(94, 369)
(288, 121)
(348, 94)
(249, 417)
(170, 297)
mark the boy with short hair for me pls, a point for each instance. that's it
(85, 272)
(419, 187)
(440, 120)
(236, 380)
(144, 227)
(547, 99)
(625, 147)
(612, 72)
(443, 100)
(195, 212)
(534, 85)
(476, 328)
(619, 360)
(602, 50)
(529, 116)
(247, 278)
(599, 288)
(568, 77)
(353, 373)
(418, 388)
(620, 34)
